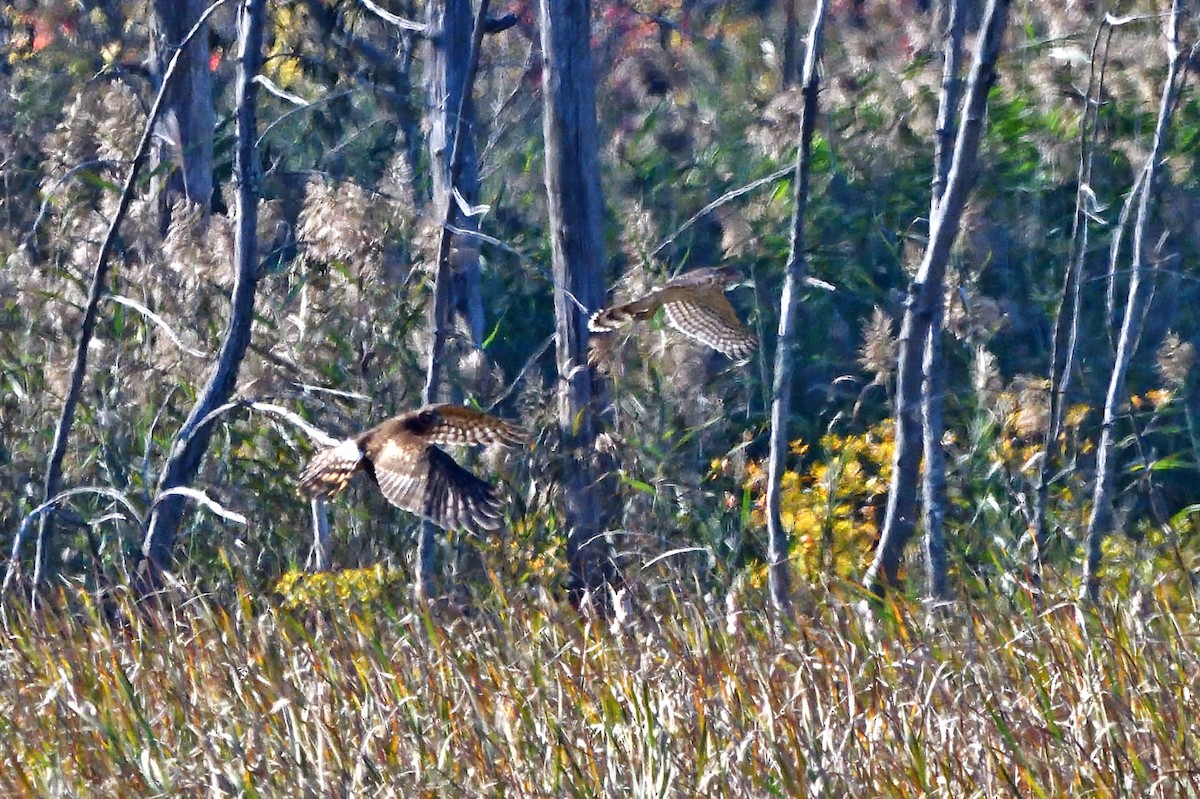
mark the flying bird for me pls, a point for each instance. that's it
(695, 305)
(400, 456)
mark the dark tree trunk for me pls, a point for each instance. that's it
(779, 575)
(791, 66)
(449, 24)
(191, 442)
(1140, 288)
(926, 292)
(933, 487)
(188, 120)
(455, 40)
(577, 247)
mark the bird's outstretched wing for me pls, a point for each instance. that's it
(411, 472)
(709, 318)
(430, 484)
(330, 470)
(617, 316)
(695, 305)
(456, 424)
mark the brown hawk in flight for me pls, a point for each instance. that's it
(695, 305)
(400, 457)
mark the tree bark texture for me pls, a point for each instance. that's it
(53, 482)
(1140, 288)
(577, 247)
(933, 484)
(452, 60)
(189, 120)
(455, 41)
(779, 574)
(926, 291)
(191, 442)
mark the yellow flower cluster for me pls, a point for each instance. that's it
(340, 589)
(832, 507)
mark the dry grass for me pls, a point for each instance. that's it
(521, 700)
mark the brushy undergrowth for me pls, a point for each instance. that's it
(691, 698)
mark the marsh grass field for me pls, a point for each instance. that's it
(694, 696)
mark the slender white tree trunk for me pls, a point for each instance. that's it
(926, 291)
(191, 442)
(779, 576)
(1101, 520)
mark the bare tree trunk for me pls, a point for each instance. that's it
(1140, 288)
(791, 67)
(192, 440)
(321, 558)
(451, 62)
(577, 247)
(934, 367)
(53, 481)
(454, 57)
(926, 292)
(188, 122)
(779, 574)
(1064, 344)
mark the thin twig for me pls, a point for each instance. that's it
(156, 320)
(537, 354)
(28, 239)
(717, 203)
(1066, 318)
(390, 18)
(288, 114)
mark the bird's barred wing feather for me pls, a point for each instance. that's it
(695, 304)
(617, 316)
(430, 484)
(330, 470)
(455, 424)
(710, 319)
(401, 470)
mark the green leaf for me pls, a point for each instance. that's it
(640, 485)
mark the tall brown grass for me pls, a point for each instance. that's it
(693, 698)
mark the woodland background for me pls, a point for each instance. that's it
(339, 680)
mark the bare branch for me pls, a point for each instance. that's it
(926, 291)
(158, 321)
(390, 18)
(1065, 339)
(191, 442)
(722, 200)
